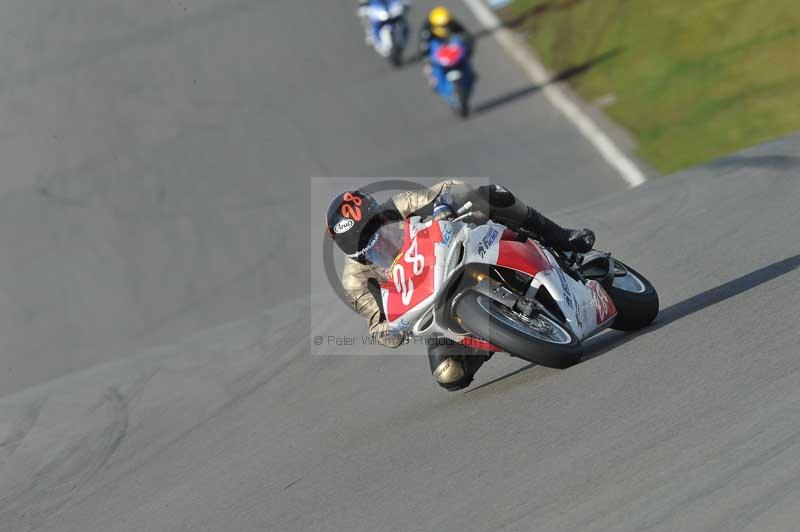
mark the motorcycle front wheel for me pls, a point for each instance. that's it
(540, 338)
(396, 56)
(399, 40)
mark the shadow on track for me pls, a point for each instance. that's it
(606, 342)
(504, 377)
(528, 19)
(504, 99)
(582, 68)
(610, 340)
(564, 75)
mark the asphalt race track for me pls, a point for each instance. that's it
(691, 425)
(190, 400)
(157, 157)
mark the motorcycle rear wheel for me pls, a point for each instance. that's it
(635, 298)
(541, 338)
(463, 101)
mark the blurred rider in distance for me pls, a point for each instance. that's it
(441, 26)
(371, 29)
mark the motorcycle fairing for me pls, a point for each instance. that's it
(482, 345)
(413, 279)
(482, 244)
(448, 55)
(587, 308)
(379, 13)
(526, 257)
(447, 75)
(604, 306)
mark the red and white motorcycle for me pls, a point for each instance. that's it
(486, 286)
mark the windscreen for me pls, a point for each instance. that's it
(386, 245)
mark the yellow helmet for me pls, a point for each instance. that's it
(440, 19)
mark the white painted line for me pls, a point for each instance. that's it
(596, 136)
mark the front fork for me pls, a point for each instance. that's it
(493, 289)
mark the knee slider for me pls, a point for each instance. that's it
(450, 374)
(449, 370)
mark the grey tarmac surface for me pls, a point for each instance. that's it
(157, 155)
(691, 425)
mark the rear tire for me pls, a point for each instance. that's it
(396, 57)
(638, 306)
(463, 101)
(507, 329)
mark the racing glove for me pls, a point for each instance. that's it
(388, 336)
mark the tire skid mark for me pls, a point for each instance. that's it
(238, 391)
(42, 489)
(57, 455)
(20, 427)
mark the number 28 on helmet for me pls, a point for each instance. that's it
(353, 219)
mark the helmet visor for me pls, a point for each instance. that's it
(385, 246)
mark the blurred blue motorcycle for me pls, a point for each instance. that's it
(386, 27)
(451, 73)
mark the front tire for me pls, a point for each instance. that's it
(396, 56)
(541, 339)
(635, 298)
(399, 41)
(463, 101)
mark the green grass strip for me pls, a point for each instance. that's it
(691, 79)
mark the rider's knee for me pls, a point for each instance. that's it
(496, 196)
(451, 375)
(452, 365)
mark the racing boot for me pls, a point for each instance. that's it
(430, 77)
(453, 365)
(561, 238)
(503, 207)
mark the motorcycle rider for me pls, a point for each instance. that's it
(363, 14)
(353, 219)
(440, 26)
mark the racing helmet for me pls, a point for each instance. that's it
(440, 19)
(353, 219)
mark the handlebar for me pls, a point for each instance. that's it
(448, 214)
(464, 208)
